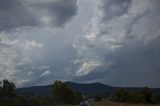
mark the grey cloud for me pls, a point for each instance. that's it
(25, 55)
(119, 45)
(124, 38)
(14, 13)
(58, 11)
(94, 75)
(137, 62)
(113, 9)
(17, 13)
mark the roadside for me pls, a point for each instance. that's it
(109, 103)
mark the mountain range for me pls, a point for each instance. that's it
(89, 89)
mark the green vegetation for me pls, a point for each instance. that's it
(98, 98)
(142, 95)
(62, 94)
(121, 95)
(7, 90)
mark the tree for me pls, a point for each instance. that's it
(97, 98)
(1, 91)
(156, 99)
(62, 93)
(77, 97)
(20, 101)
(8, 90)
(121, 95)
(145, 94)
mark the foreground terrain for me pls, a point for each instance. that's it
(109, 103)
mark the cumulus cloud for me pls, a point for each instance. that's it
(123, 35)
(31, 31)
(27, 53)
(16, 56)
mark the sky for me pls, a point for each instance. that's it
(115, 42)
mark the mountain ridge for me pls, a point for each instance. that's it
(89, 89)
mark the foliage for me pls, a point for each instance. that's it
(156, 98)
(1, 88)
(142, 95)
(63, 94)
(20, 101)
(121, 95)
(45, 101)
(77, 97)
(97, 98)
(8, 89)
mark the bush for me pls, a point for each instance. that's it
(121, 95)
(97, 98)
(77, 97)
(143, 95)
(156, 99)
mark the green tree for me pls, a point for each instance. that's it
(156, 99)
(77, 97)
(1, 91)
(8, 90)
(98, 98)
(121, 95)
(134, 97)
(20, 101)
(62, 93)
(144, 95)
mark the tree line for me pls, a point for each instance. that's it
(143, 95)
(61, 94)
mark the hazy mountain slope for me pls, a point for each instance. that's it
(87, 89)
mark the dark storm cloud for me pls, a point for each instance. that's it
(13, 14)
(137, 54)
(59, 11)
(124, 38)
(17, 13)
(115, 42)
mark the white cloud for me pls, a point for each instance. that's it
(87, 67)
(16, 54)
(45, 73)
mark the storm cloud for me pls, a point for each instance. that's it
(116, 42)
(23, 13)
(14, 13)
(124, 37)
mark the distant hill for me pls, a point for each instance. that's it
(36, 90)
(89, 89)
